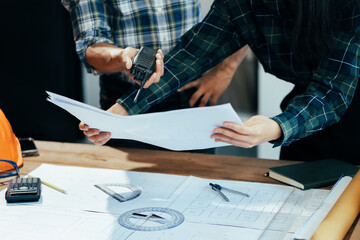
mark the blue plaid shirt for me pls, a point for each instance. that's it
(130, 23)
(266, 27)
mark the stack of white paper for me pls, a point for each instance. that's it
(185, 129)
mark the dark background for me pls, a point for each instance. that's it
(38, 54)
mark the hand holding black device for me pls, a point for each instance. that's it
(143, 66)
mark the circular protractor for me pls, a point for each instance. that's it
(134, 192)
(151, 219)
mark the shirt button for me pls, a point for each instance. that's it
(159, 9)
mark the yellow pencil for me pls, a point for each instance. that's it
(52, 186)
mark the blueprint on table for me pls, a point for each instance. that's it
(271, 212)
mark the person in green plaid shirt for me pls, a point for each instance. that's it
(313, 44)
(109, 33)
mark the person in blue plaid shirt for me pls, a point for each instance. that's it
(109, 33)
(313, 44)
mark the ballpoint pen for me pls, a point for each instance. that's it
(218, 188)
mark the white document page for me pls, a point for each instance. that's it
(273, 209)
(185, 129)
(156, 188)
(270, 212)
(29, 222)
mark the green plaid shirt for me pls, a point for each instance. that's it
(266, 27)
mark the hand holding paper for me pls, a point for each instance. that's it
(185, 129)
(256, 130)
(94, 135)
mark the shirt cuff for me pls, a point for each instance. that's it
(130, 106)
(289, 127)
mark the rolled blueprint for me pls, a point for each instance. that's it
(342, 215)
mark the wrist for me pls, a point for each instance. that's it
(118, 109)
(276, 129)
(230, 64)
(224, 70)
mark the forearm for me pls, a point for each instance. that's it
(329, 92)
(231, 63)
(316, 108)
(104, 57)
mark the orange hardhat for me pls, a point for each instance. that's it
(9, 145)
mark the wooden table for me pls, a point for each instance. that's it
(200, 165)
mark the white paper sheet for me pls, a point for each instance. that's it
(271, 212)
(25, 222)
(270, 207)
(186, 129)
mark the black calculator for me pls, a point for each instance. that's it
(23, 190)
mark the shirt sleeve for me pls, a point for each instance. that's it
(201, 48)
(90, 25)
(327, 96)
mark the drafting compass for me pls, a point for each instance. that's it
(151, 219)
(134, 191)
(218, 188)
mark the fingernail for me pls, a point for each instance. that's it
(155, 75)
(158, 62)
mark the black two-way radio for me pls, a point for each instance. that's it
(143, 65)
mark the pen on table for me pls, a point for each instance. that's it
(52, 186)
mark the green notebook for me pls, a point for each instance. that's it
(314, 174)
